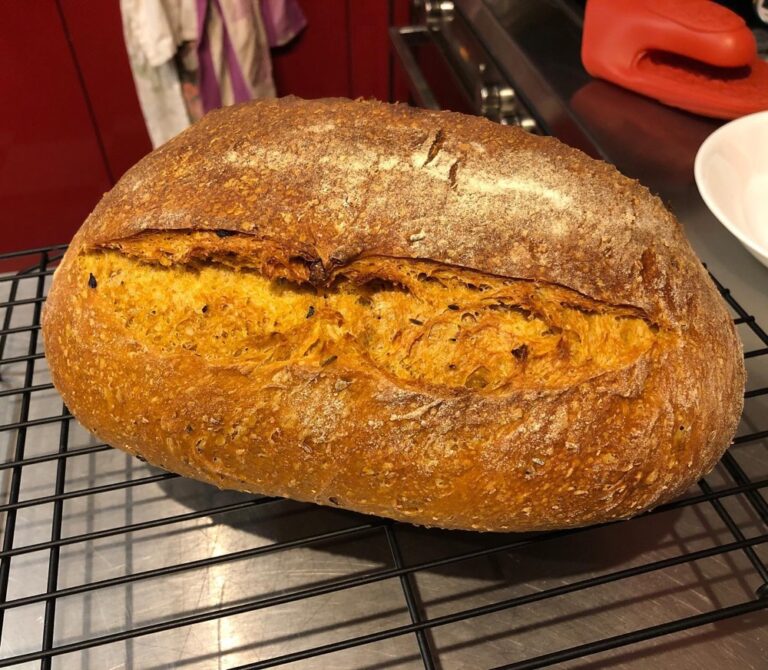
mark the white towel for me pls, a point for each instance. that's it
(161, 37)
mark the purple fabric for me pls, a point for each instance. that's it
(283, 20)
(210, 92)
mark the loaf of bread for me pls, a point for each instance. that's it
(420, 315)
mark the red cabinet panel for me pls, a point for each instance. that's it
(316, 63)
(52, 171)
(401, 16)
(96, 31)
(369, 49)
(343, 51)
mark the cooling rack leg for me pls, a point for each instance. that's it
(21, 438)
(7, 318)
(737, 534)
(49, 619)
(410, 599)
(740, 477)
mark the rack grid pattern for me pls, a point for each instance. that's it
(48, 507)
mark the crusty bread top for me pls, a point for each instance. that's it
(613, 417)
(336, 179)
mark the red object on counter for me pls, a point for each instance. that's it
(692, 54)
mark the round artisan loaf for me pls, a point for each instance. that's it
(415, 314)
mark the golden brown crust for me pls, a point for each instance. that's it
(332, 181)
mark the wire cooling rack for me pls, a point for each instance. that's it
(109, 563)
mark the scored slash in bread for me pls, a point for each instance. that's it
(281, 298)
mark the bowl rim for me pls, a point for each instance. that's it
(698, 172)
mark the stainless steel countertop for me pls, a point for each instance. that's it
(664, 143)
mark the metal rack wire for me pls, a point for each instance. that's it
(58, 485)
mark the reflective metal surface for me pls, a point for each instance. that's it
(436, 11)
(443, 56)
(403, 40)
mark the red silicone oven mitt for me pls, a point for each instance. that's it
(692, 54)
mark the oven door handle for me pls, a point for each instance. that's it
(421, 91)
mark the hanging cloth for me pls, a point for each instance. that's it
(153, 30)
(233, 53)
(283, 20)
(190, 56)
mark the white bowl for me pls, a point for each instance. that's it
(731, 171)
